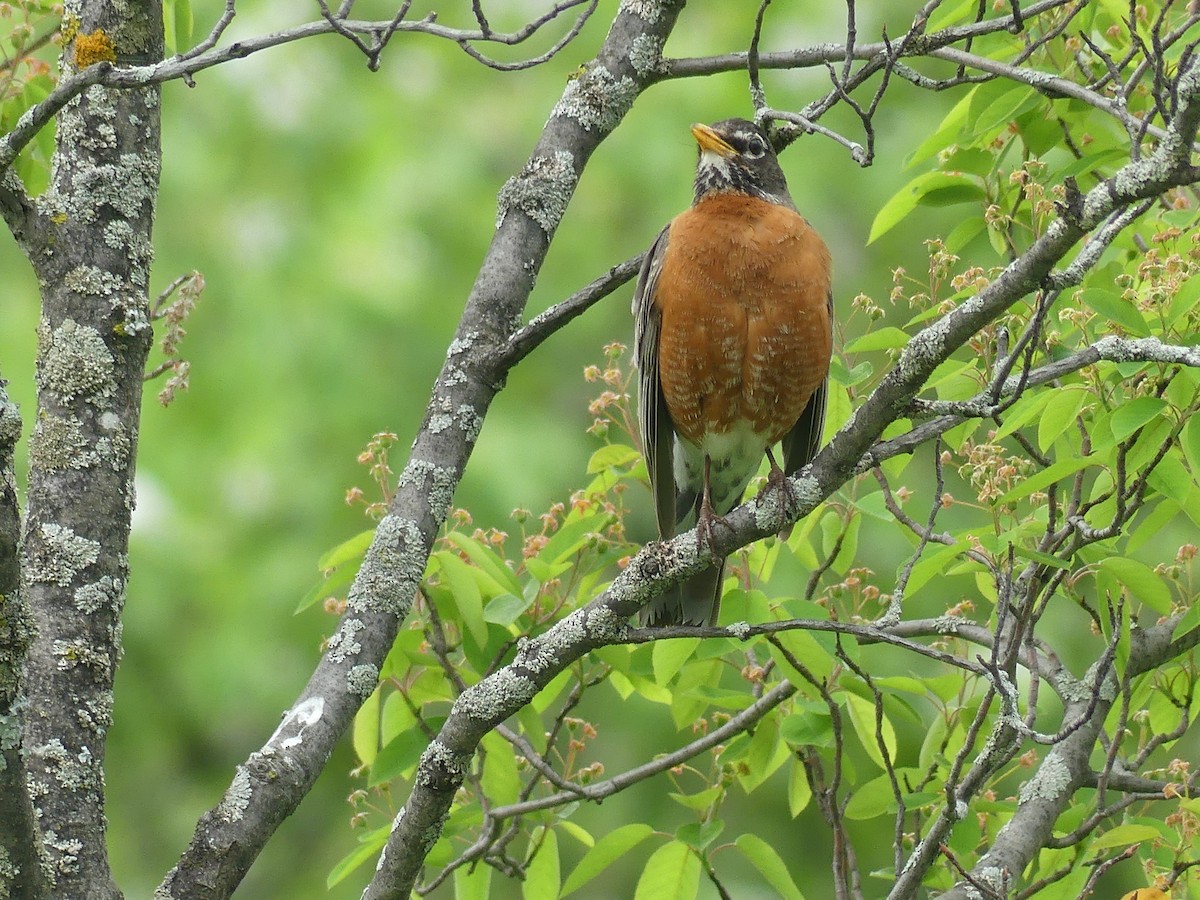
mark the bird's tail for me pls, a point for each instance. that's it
(696, 601)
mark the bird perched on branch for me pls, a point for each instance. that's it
(733, 336)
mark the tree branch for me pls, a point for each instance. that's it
(21, 874)
(272, 781)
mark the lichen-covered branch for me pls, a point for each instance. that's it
(94, 337)
(20, 868)
(371, 37)
(272, 781)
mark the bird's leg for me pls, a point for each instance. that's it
(707, 517)
(777, 480)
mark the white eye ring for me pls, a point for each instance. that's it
(755, 148)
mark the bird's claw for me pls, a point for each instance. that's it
(706, 522)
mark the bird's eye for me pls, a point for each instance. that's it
(756, 147)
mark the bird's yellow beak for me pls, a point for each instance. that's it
(712, 142)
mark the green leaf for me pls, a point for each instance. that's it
(505, 609)
(608, 849)
(1122, 836)
(544, 571)
(1134, 414)
(352, 550)
(370, 845)
(1189, 622)
(612, 456)
(810, 725)
(576, 831)
(806, 650)
(396, 718)
(465, 591)
(1115, 308)
(332, 586)
(543, 876)
(336, 569)
(365, 737)
(401, 753)
(500, 780)
(1144, 583)
(931, 188)
(770, 865)
(1089, 163)
(488, 561)
(1059, 414)
(1189, 438)
(669, 656)
(672, 873)
(700, 801)
(886, 338)
(1046, 477)
(765, 754)
(571, 537)
(1023, 412)
(989, 113)
(873, 799)
(472, 883)
(862, 717)
(699, 835)
(947, 131)
(906, 683)
(799, 790)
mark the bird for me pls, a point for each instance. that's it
(733, 335)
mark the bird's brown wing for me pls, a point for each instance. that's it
(656, 429)
(801, 444)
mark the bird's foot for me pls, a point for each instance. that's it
(706, 522)
(789, 502)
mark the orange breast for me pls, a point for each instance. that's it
(745, 319)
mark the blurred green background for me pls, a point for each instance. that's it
(339, 217)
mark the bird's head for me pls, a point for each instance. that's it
(736, 156)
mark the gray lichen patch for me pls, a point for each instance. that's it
(71, 654)
(496, 696)
(342, 643)
(645, 52)
(128, 188)
(603, 625)
(470, 421)
(74, 772)
(74, 361)
(61, 555)
(597, 100)
(542, 190)
(462, 344)
(362, 680)
(647, 10)
(1051, 781)
(391, 570)
(630, 586)
(446, 762)
(10, 422)
(10, 731)
(92, 281)
(438, 482)
(96, 713)
(237, 798)
(58, 443)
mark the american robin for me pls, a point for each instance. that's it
(733, 335)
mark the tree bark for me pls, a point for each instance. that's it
(91, 252)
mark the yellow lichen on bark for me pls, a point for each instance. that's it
(93, 48)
